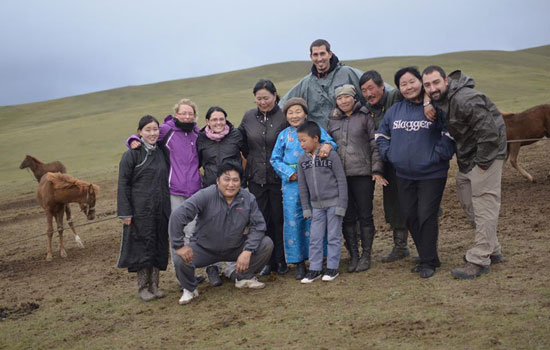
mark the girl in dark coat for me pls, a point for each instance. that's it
(143, 203)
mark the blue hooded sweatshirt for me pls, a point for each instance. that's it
(417, 148)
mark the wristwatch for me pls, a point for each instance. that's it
(427, 103)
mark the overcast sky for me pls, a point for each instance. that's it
(57, 48)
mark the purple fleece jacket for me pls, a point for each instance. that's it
(184, 178)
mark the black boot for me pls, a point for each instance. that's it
(350, 236)
(367, 236)
(214, 276)
(300, 270)
(400, 249)
(282, 268)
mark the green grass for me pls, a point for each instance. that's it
(87, 132)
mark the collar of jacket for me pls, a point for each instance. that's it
(334, 61)
(236, 199)
(382, 103)
(339, 114)
(270, 113)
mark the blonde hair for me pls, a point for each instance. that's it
(187, 102)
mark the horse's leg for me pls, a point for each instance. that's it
(71, 225)
(514, 152)
(59, 220)
(49, 220)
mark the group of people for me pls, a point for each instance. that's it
(311, 161)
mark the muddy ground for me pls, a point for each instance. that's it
(84, 301)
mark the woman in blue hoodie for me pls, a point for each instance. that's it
(420, 151)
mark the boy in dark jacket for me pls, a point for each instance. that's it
(324, 196)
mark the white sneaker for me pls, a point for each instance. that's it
(251, 283)
(330, 275)
(188, 296)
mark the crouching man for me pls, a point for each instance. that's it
(230, 227)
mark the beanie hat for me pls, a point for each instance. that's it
(346, 89)
(295, 101)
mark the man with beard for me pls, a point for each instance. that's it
(478, 128)
(317, 88)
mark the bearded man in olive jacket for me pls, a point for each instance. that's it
(479, 131)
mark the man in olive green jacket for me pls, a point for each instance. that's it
(478, 128)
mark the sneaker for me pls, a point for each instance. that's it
(214, 276)
(469, 271)
(311, 276)
(187, 296)
(252, 283)
(330, 275)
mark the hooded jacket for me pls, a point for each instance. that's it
(474, 122)
(318, 90)
(213, 153)
(417, 148)
(184, 177)
(354, 135)
(322, 183)
(259, 137)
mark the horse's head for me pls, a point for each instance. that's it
(26, 162)
(88, 207)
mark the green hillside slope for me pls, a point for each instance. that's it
(87, 132)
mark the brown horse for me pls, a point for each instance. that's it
(531, 125)
(55, 192)
(39, 168)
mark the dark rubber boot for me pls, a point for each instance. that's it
(143, 278)
(400, 249)
(350, 236)
(367, 237)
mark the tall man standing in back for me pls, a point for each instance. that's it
(478, 128)
(317, 88)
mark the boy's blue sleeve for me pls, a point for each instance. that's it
(326, 138)
(277, 158)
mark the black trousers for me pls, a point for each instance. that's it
(420, 201)
(360, 195)
(270, 202)
(392, 209)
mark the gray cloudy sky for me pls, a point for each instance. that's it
(57, 48)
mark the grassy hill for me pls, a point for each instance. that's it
(87, 132)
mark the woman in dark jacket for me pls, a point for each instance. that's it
(420, 151)
(143, 203)
(353, 131)
(260, 127)
(218, 142)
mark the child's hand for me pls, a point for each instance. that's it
(380, 179)
(135, 144)
(307, 216)
(293, 177)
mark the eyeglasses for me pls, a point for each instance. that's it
(191, 114)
